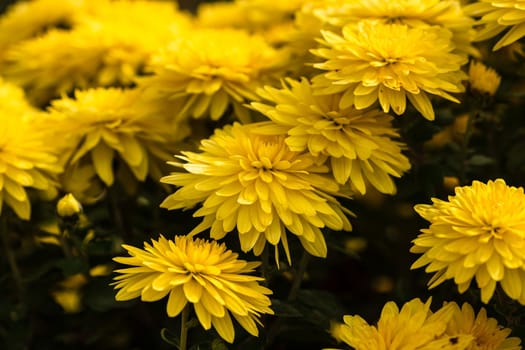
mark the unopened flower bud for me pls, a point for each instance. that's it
(68, 206)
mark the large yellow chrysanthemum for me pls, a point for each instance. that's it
(478, 233)
(496, 17)
(447, 14)
(414, 327)
(109, 48)
(204, 72)
(104, 125)
(359, 143)
(199, 272)
(390, 63)
(255, 184)
(486, 333)
(28, 152)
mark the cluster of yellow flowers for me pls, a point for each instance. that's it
(99, 92)
(415, 326)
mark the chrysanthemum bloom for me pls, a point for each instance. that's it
(271, 24)
(204, 72)
(414, 327)
(483, 79)
(359, 143)
(478, 233)
(27, 19)
(199, 272)
(250, 15)
(28, 153)
(498, 16)
(447, 14)
(104, 125)
(254, 183)
(486, 333)
(390, 63)
(109, 48)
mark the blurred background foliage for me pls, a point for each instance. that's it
(66, 302)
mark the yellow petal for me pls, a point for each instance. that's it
(512, 283)
(102, 157)
(224, 327)
(203, 315)
(176, 302)
(192, 291)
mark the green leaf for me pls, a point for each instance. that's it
(480, 160)
(170, 337)
(99, 296)
(284, 309)
(218, 344)
(72, 265)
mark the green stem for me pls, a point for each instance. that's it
(299, 276)
(274, 329)
(11, 259)
(265, 268)
(116, 212)
(464, 146)
(64, 243)
(184, 328)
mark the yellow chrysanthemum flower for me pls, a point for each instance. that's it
(254, 183)
(223, 14)
(204, 72)
(414, 327)
(28, 153)
(274, 27)
(251, 15)
(359, 143)
(447, 14)
(27, 19)
(109, 48)
(486, 333)
(478, 233)
(104, 124)
(390, 63)
(199, 272)
(496, 17)
(483, 79)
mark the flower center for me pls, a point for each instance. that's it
(262, 164)
(197, 268)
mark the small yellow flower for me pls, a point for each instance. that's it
(498, 16)
(479, 233)
(359, 143)
(411, 328)
(204, 72)
(390, 62)
(483, 79)
(486, 333)
(69, 299)
(254, 183)
(68, 206)
(202, 273)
